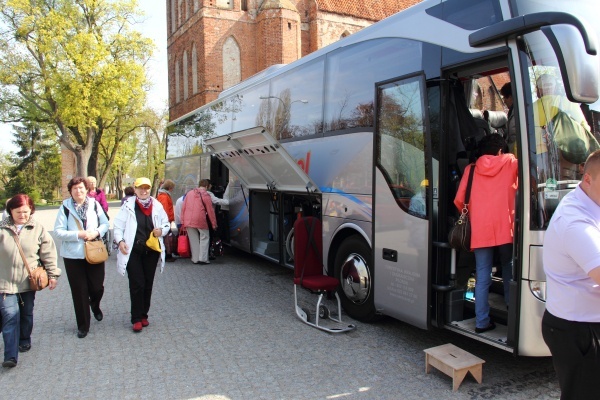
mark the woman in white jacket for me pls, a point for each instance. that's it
(140, 217)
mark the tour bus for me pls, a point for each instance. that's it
(372, 134)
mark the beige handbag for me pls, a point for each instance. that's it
(95, 250)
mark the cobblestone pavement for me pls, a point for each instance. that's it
(228, 331)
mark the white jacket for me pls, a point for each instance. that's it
(125, 226)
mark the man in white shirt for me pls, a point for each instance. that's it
(571, 256)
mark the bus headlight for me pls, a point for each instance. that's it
(538, 289)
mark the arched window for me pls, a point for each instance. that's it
(194, 69)
(177, 83)
(185, 76)
(173, 16)
(232, 68)
(181, 9)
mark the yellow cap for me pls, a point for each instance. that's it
(142, 181)
(425, 182)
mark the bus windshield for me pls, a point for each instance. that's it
(561, 134)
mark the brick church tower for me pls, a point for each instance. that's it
(214, 44)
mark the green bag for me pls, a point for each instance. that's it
(573, 140)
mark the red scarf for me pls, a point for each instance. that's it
(146, 210)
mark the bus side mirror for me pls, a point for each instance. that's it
(580, 70)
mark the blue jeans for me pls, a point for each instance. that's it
(484, 261)
(17, 321)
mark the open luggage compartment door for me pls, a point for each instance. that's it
(260, 162)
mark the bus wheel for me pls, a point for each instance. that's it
(354, 270)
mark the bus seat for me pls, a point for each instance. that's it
(308, 274)
(496, 119)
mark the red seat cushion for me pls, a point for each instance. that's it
(317, 283)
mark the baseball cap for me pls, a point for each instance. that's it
(142, 181)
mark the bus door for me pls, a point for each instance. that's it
(259, 203)
(474, 108)
(402, 201)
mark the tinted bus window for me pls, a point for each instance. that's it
(401, 142)
(295, 104)
(349, 94)
(251, 111)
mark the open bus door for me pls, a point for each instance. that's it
(402, 204)
(266, 191)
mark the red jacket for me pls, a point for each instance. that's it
(492, 204)
(193, 213)
(165, 199)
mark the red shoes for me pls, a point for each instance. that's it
(137, 326)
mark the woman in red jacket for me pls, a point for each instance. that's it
(164, 197)
(197, 213)
(492, 215)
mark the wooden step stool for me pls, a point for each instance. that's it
(453, 362)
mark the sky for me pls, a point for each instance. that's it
(154, 26)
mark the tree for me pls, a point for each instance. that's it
(37, 165)
(75, 64)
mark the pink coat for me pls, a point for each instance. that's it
(192, 211)
(492, 205)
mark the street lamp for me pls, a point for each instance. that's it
(286, 110)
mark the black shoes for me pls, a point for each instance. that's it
(201, 262)
(98, 315)
(490, 326)
(81, 334)
(10, 363)
(23, 348)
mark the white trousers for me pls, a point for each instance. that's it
(199, 244)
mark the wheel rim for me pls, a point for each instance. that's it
(355, 279)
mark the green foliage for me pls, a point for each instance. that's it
(75, 64)
(20, 183)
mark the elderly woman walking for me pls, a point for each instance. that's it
(19, 229)
(81, 219)
(138, 230)
(197, 213)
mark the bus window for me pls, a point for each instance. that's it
(401, 142)
(252, 110)
(349, 91)
(556, 164)
(296, 108)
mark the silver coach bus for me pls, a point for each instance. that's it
(371, 135)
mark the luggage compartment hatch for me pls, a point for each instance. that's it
(260, 162)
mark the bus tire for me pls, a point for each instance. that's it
(354, 269)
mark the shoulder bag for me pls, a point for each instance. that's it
(38, 278)
(460, 234)
(95, 250)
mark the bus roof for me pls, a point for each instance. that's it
(422, 22)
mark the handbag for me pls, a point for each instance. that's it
(170, 243)
(183, 244)
(153, 243)
(38, 278)
(459, 236)
(94, 250)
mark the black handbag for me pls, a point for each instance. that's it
(460, 234)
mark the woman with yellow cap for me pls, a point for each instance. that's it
(139, 229)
